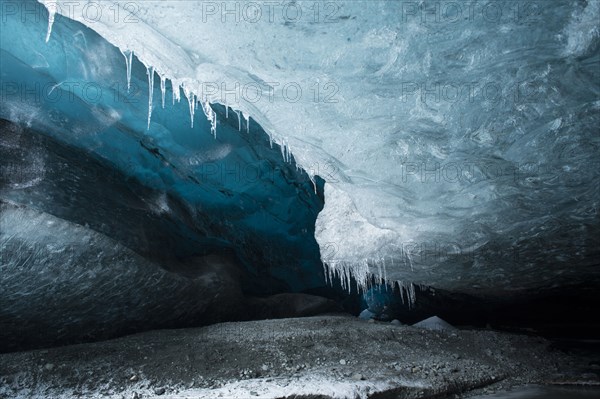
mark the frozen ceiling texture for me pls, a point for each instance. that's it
(455, 144)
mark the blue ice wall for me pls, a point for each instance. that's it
(236, 189)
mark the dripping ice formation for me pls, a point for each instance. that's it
(460, 153)
(128, 60)
(51, 14)
(150, 72)
(208, 194)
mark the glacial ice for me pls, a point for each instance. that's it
(163, 89)
(223, 189)
(434, 323)
(51, 14)
(458, 140)
(128, 61)
(150, 73)
(64, 283)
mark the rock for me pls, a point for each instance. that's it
(371, 321)
(133, 378)
(366, 315)
(136, 396)
(434, 323)
(396, 322)
(264, 367)
(343, 362)
(49, 366)
(358, 377)
(384, 317)
(589, 376)
(159, 391)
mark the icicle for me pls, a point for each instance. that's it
(176, 87)
(349, 281)
(226, 112)
(192, 103)
(401, 289)
(282, 148)
(51, 14)
(163, 89)
(239, 121)
(211, 116)
(285, 152)
(128, 54)
(413, 294)
(314, 183)
(247, 119)
(150, 73)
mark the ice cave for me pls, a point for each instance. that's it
(374, 199)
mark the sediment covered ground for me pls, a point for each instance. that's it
(329, 356)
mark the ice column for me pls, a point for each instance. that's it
(51, 7)
(128, 54)
(150, 72)
(211, 116)
(163, 89)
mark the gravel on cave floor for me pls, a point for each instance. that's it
(329, 356)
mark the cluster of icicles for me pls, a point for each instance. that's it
(365, 280)
(176, 89)
(193, 100)
(344, 272)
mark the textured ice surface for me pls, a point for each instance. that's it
(459, 140)
(220, 191)
(434, 323)
(64, 283)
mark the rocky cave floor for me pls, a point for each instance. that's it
(328, 356)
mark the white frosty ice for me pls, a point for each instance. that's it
(434, 323)
(447, 133)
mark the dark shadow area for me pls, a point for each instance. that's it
(566, 313)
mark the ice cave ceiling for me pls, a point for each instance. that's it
(458, 142)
